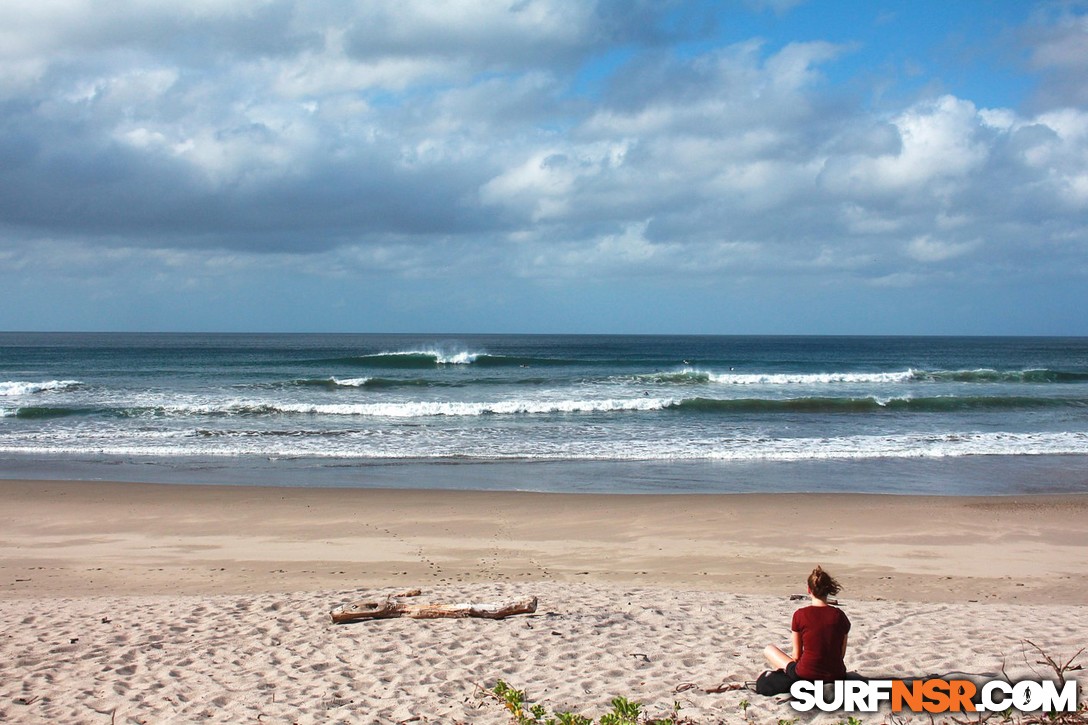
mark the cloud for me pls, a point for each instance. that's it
(777, 6)
(928, 249)
(941, 143)
(485, 35)
(411, 136)
(1056, 43)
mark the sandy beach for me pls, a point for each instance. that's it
(168, 603)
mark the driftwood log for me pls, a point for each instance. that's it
(395, 606)
(797, 597)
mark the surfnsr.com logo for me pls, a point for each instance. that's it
(935, 696)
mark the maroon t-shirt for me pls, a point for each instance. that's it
(822, 630)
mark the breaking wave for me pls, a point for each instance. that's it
(379, 383)
(982, 375)
(543, 406)
(13, 388)
(810, 378)
(430, 359)
(423, 409)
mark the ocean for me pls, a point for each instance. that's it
(620, 414)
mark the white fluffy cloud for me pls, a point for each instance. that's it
(402, 136)
(941, 145)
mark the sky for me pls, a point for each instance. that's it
(545, 166)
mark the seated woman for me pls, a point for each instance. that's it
(819, 636)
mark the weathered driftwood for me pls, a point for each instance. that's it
(395, 606)
(796, 597)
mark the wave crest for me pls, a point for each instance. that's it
(810, 378)
(15, 387)
(989, 375)
(911, 375)
(642, 404)
(418, 409)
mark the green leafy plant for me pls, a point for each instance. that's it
(514, 701)
(526, 714)
(569, 718)
(624, 711)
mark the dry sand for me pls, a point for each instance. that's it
(164, 603)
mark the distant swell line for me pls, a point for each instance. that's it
(387, 383)
(981, 375)
(873, 404)
(690, 375)
(431, 359)
(700, 377)
(986, 375)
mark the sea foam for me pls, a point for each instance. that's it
(416, 444)
(440, 357)
(423, 409)
(13, 387)
(810, 378)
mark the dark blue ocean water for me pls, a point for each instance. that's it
(570, 413)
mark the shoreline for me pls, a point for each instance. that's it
(1011, 475)
(80, 538)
